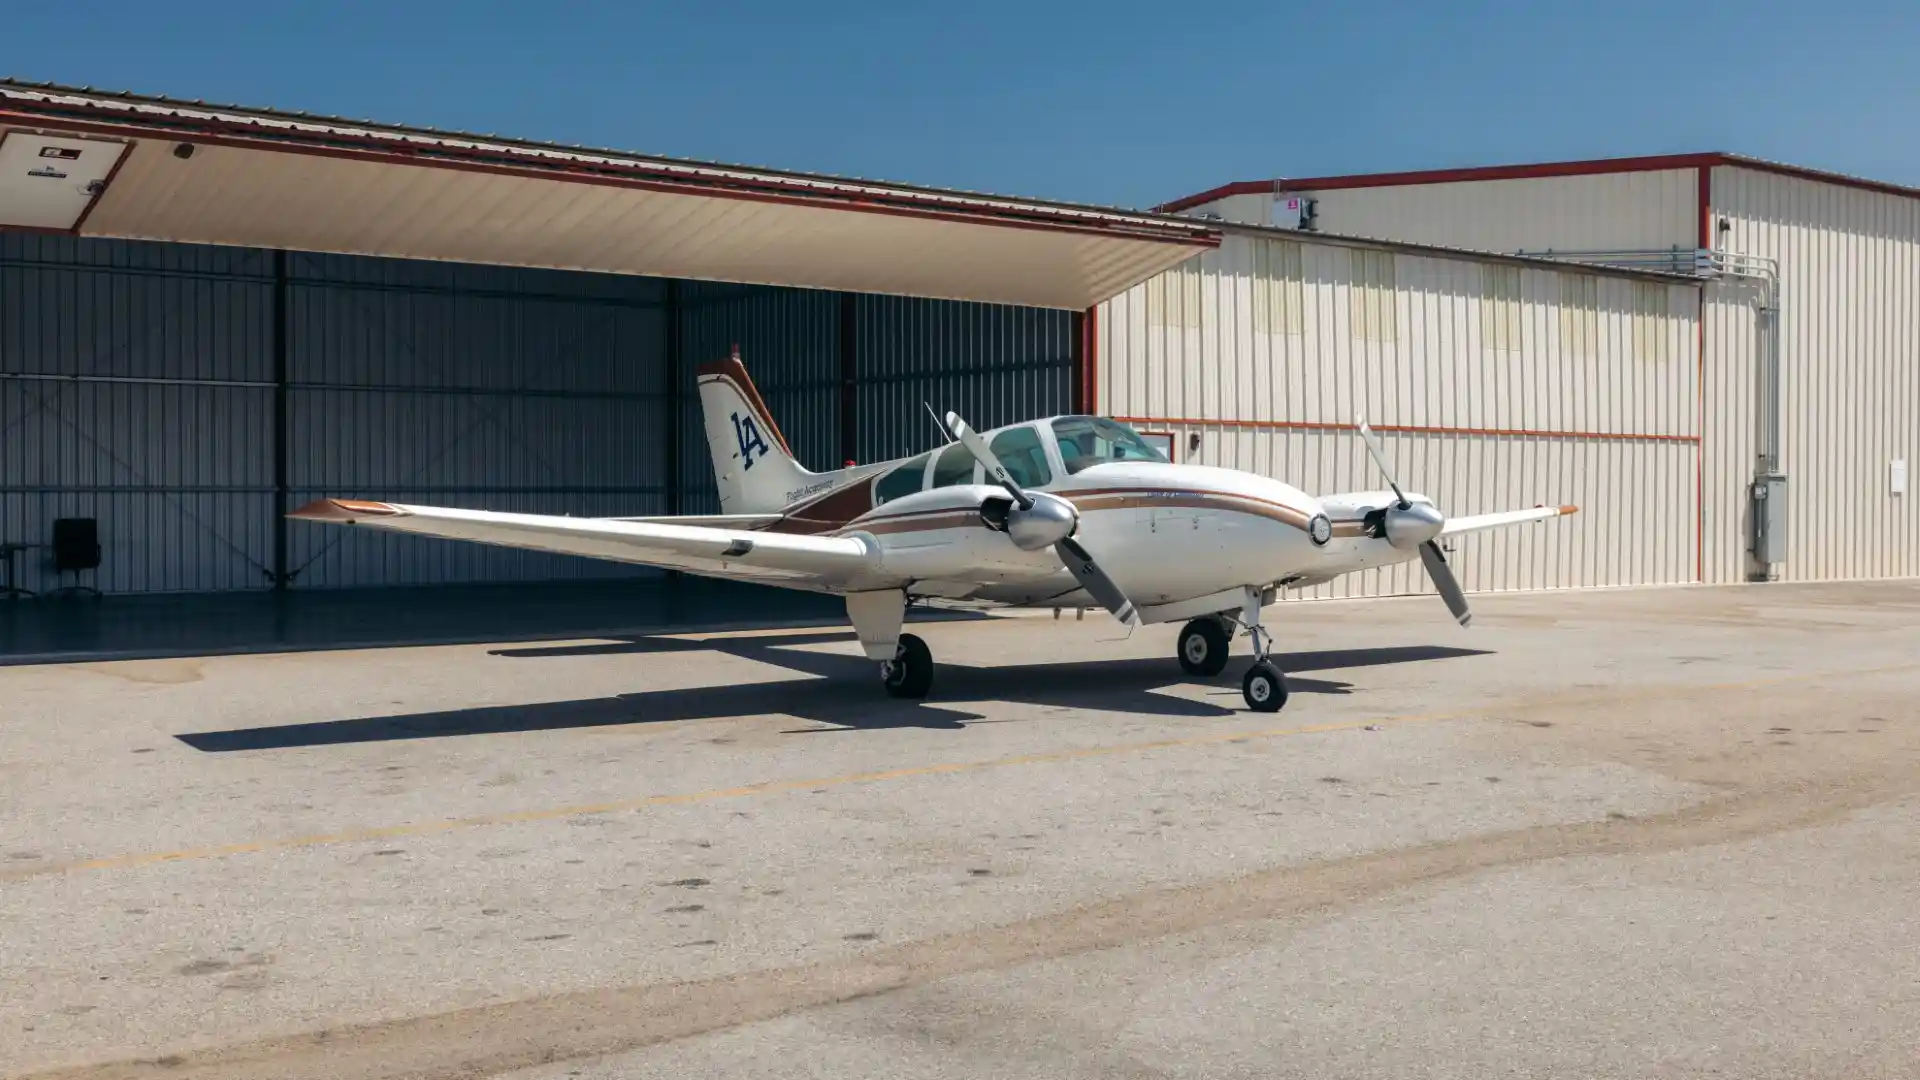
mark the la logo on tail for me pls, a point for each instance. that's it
(747, 434)
(742, 434)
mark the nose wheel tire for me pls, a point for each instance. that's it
(1264, 687)
(910, 673)
(1203, 647)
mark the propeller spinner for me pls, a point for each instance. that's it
(1408, 526)
(1038, 520)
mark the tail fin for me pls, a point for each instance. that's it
(752, 464)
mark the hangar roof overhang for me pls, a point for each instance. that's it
(259, 178)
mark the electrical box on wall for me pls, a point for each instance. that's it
(1770, 518)
(1897, 476)
(1295, 211)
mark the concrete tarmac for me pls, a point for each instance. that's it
(1631, 833)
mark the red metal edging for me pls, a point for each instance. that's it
(1412, 429)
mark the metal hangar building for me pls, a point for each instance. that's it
(1778, 427)
(214, 314)
(210, 315)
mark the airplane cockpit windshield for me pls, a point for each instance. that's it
(1086, 441)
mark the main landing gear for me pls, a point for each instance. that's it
(910, 673)
(1203, 651)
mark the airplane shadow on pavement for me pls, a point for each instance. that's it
(834, 689)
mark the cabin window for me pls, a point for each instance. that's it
(954, 467)
(1086, 441)
(903, 480)
(1020, 450)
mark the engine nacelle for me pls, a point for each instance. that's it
(1048, 521)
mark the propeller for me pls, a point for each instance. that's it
(1038, 520)
(1408, 526)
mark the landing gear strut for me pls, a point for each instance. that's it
(1203, 651)
(1264, 685)
(910, 673)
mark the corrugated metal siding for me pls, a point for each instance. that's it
(138, 384)
(1619, 418)
(789, 340)
(482, 387)
(1616, 210)
(135, 388)
(1850, 333)
(990, 363)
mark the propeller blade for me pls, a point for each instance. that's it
(1380, 459)
(1443, 579)
(984, 454)
(1095, 580)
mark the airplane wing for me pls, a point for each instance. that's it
(714, 521)
(1478, 522)
(815, 563)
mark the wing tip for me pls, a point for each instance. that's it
(344, 510)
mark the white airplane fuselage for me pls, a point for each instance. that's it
(1068, 511)
(1171, 532)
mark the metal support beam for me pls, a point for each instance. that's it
(676, 375)
(1079, 348)
(282, 467)
(849, 379)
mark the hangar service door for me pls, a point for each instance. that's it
(49, 181)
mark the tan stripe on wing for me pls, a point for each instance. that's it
(344, 510)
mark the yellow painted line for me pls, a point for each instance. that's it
(771, 787)
(774, 787)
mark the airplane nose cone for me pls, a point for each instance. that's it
(1408, 529)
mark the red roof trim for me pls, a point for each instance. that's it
(1595, 167)
(717, 181)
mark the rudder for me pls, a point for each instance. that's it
(753, 466)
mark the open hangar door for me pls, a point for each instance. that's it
(184, 396)
(496, 323)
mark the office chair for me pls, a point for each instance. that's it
(76, 547)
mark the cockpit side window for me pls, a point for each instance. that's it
(955, 466)
(904, 480)
(1021, 451)
(1086, 441)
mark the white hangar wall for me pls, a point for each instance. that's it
(1849, 266)
(1653, 209)
(1848, 261)
(1495, 383)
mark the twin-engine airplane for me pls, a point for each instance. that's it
(1069, 511)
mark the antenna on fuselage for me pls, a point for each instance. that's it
(944, 433)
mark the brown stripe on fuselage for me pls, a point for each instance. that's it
(1135, 498)
(735, 372)
(830, 511)
(1111, 499)
(912, 523)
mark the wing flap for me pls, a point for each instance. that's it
(777, 558)
(1478, 522)
(713, 521)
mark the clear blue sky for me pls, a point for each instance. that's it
(1127, 104)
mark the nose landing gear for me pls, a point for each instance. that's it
(1203, 651)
